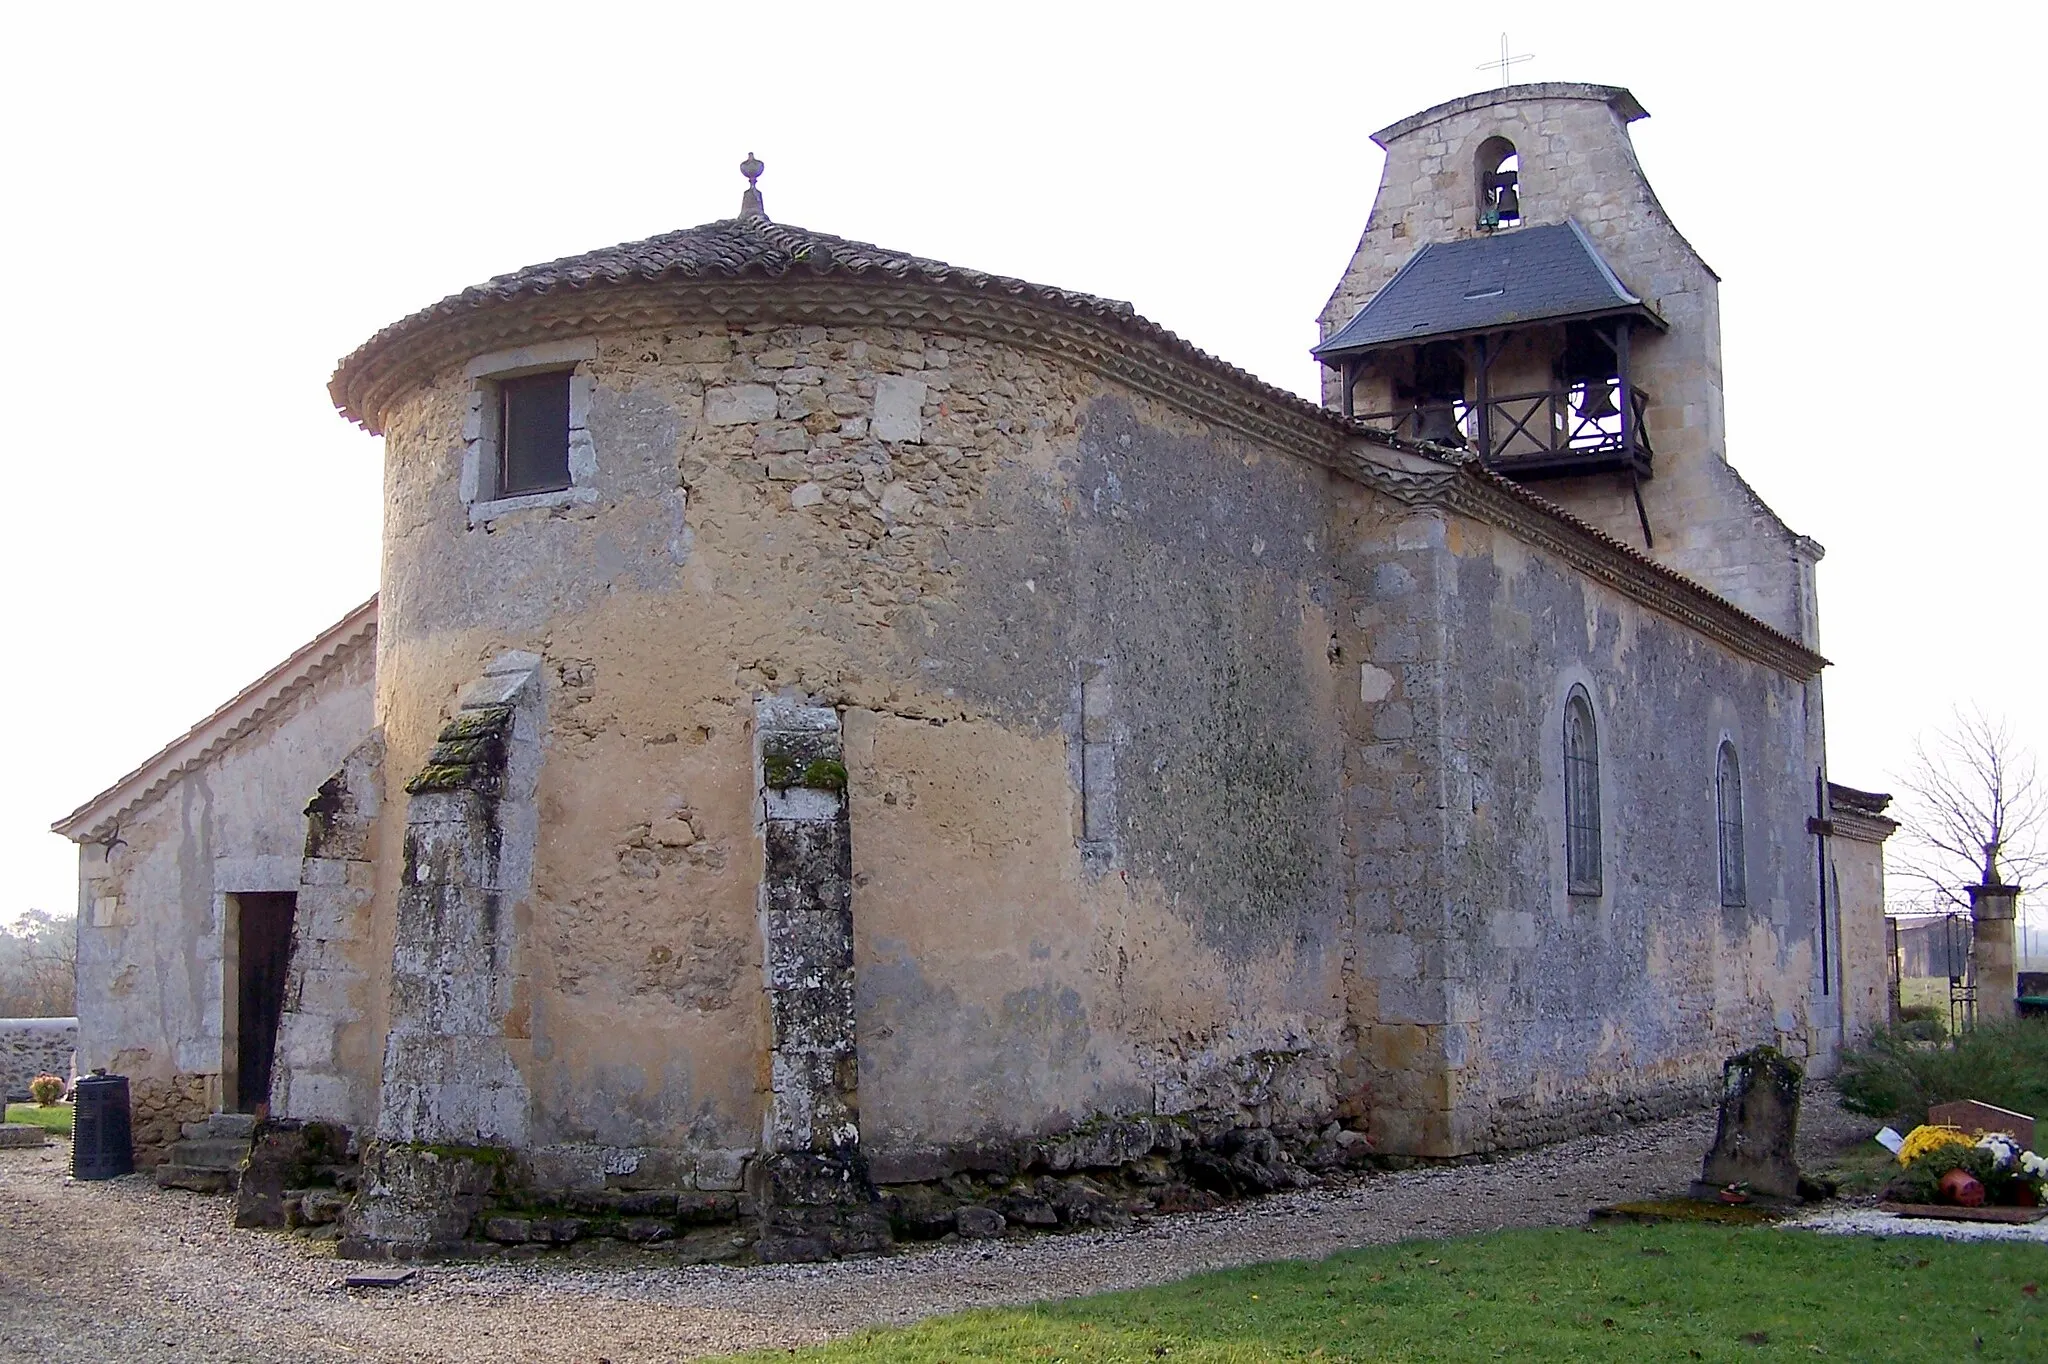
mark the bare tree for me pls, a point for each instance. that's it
(1973, 813)
(39, 966)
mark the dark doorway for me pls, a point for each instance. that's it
(263, 951)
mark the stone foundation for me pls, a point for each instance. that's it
(1514, 1127)
(794, 1208)
(159, 1110)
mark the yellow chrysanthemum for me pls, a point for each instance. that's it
(1928, 1137)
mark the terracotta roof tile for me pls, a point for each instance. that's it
(757, 248)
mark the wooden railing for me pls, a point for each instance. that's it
(1556, 433)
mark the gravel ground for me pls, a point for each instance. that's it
(120, 1270)
(1871, 1222)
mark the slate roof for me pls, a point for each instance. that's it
(1533, 274)
(754, 247)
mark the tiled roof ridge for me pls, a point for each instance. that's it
(304, 666)
(757, 248)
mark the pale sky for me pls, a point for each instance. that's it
(208, 206)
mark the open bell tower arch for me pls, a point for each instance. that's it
(1519, 294)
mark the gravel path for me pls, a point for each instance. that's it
(120, 1270)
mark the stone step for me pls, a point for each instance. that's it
(210, 1153)
(170, 1176)
(239, 1126)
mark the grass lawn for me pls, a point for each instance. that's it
(57, 1117)
(1925, 990)
(1620, 1293)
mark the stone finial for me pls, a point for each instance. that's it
(750, 202)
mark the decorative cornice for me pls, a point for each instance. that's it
(249, 708)
(1135, 351)
(1863, 828)
(1461, 484)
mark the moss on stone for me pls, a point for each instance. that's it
(482, 722)
(824, 774)
(778, 770)
(1687, 1210)
(440, 777)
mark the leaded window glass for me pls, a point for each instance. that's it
(1581, 795)
(1728, 816)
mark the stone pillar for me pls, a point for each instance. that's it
(1992, 964)
(812, 1185)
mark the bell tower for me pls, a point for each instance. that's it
(1519, 294)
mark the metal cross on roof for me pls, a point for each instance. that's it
(1504, 62)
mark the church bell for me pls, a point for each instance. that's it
(1597, 401)
(1510, 204)
(1438, 425)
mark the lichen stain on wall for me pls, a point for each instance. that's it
(1003, 987)
(1654, 976)
(1020, 522)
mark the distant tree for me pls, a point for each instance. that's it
(1972, 812)
(39, 966)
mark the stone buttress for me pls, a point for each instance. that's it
(454, 1102)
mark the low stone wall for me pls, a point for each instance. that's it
(159, 1110)
(35, 1046)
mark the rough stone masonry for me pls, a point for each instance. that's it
(35, 1046)
(936, 752)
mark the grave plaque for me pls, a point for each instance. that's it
(1976, 1118)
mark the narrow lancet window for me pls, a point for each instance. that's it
(1581, 795)
(1728, 815)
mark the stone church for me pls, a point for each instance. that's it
(834, 721)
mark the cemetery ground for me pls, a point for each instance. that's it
(55, 1118)
(1606, 1292)
(121, 1270)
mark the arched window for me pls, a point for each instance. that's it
(1581, 795)
(1500, 184)
(1728, 816)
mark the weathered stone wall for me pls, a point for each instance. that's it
(160, 1106)
(153, 902)
(962, 547)
(34, 1046)
(327, 1053)
(1865, 966)
(1502, 1009)
(1577, 162)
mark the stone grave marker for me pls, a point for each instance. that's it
(1759, 1117)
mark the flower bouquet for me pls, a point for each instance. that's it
(1948, 1168)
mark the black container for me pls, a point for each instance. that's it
(101, 1144)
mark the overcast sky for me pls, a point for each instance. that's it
(208, 207)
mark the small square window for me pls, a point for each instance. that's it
(533, 441)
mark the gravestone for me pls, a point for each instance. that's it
(1759, 1117)
(1977, 1118)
